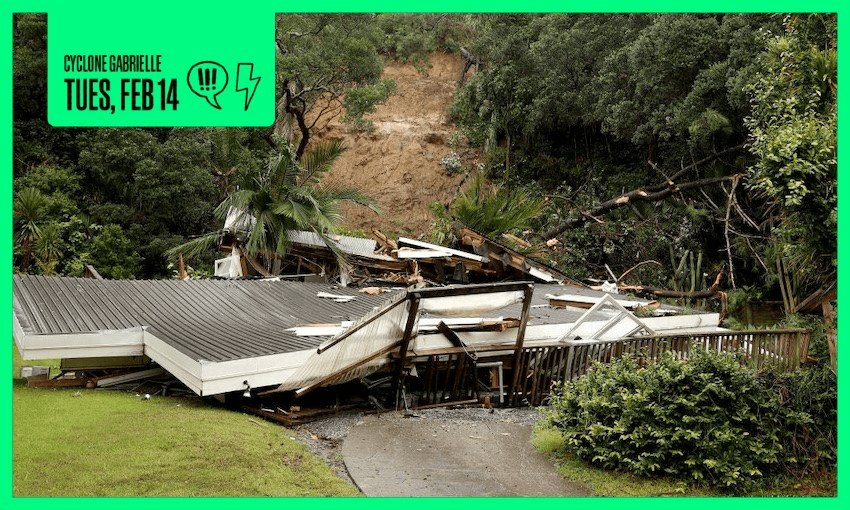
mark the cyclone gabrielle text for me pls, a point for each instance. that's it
(112, 63)
(135, 94)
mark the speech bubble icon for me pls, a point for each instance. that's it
(207, 79)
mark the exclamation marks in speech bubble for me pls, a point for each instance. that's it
(207, 82)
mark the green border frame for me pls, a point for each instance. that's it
(376, 6)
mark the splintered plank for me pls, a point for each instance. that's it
(58, 383)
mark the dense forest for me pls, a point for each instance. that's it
(705, 143)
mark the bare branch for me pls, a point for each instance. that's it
(634, 196)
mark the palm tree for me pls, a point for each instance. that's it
(286, 194)
(495, 210)
(28, 214)
(49, 247)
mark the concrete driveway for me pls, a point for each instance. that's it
(390, 455)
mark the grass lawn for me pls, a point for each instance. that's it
(76, 442)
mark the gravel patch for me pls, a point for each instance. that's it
(324, 437)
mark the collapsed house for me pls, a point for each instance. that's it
(271, 338)
(405, 323)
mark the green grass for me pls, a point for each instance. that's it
(76, 442)
(548, 441)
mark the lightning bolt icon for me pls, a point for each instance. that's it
(244, 78)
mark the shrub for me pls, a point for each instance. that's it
(810, 399)
(709, 419)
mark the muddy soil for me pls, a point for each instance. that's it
(399, 163)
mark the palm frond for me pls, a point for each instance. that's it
(319, 161)
(197, 246)
(341, 257)
(353, 195)
(497, 210)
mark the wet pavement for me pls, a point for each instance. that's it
(390, 455)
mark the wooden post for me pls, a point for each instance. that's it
(829, 321)
(181, 268)
(412, 314)
(520, 339)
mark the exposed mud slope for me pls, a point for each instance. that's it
(399, 163)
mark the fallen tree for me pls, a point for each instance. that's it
(711, 292)
(638, 195)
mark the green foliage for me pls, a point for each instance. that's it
(407, 39)
(30, 65)
(49, 247)
(495, 210)
(452, 163)
(320, 58)
(810, 399)
(645, 78)
(793, 130)
(442, 229)
(112, 254)
(688, 275)
(287, 194)
(709, 420)
(362, 100)
(28, 213)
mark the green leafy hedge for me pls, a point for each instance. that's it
(709, 419)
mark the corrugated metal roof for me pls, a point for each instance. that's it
(350, 245)
(542, 313)
(211, 320)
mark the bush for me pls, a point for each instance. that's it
(810, 399)
(709, 419)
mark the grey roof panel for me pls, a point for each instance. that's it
(350, 245)
(214, 320)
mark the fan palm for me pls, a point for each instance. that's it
(286, 194)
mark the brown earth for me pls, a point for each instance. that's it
(398, 164)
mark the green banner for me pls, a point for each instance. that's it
(187, 67)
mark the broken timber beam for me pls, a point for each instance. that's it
(520, 337)
(339, 373)
(384, 242)
(412, 315)
(58, 383)
(104, 382)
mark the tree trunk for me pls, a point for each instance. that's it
(829, 322)
(712, 291)
(633, 196)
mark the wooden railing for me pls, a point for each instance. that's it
(783, 349)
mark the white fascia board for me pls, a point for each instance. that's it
(181, 366)
(543, 275)
(540, 335)
(18, 334)
(424, 325)
(261, 371)
(685, 322)
(457, 253)
(96, 344)
(422, 254)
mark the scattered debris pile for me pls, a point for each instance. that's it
(384, 261)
